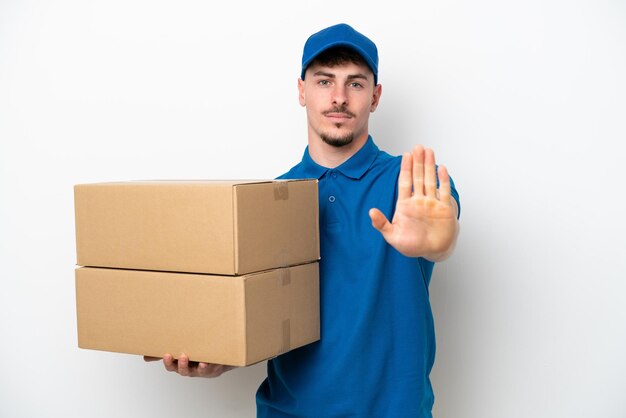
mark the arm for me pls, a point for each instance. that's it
(184, 367)
(425, 221)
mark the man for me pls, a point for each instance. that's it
(377, 341)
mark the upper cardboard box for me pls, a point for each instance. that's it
(214, 227)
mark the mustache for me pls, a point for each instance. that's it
(341, 109)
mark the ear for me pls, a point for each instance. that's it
(301, 94)
(378, 91)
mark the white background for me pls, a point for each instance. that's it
(523, 101)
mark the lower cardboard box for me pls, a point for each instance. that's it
(232, 320)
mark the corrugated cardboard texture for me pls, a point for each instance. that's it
(287, 296)
(216, 319)
(260, 208)
(214, 227)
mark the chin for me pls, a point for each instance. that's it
(338, 140)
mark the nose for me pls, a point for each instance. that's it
(339, 96)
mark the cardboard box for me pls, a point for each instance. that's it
(237, 320)
(215, 227)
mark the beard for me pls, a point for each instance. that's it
(338, 141)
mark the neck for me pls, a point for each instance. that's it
(329, 156)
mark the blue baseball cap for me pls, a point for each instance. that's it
(340, 35)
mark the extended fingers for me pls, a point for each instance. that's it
(418, 170)
(430, 175)
(445, 194)
(379, 221)
(424, 172)
(405, 183)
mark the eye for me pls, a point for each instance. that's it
(356, 85)
(324, 83)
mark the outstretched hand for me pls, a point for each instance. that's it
(425, 221)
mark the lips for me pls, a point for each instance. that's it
(335, 115)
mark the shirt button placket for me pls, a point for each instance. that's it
(332, 197)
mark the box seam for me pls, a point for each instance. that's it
(235, 229)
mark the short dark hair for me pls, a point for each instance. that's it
(339, 55)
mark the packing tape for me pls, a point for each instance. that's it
(283, 258)
(281, 190)
(285, 276)
(286, 336)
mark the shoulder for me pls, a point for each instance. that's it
(387, 163)
(295, 172)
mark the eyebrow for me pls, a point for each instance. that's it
(331, 75)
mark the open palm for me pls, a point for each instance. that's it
(425, 221)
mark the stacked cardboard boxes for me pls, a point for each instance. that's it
(223, 271)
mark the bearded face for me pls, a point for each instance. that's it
(338, 100)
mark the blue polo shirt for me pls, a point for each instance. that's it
(377, 344)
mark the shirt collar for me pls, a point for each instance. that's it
(355, 167)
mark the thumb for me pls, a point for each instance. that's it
(380, 222)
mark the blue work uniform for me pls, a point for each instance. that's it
(377, 344)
